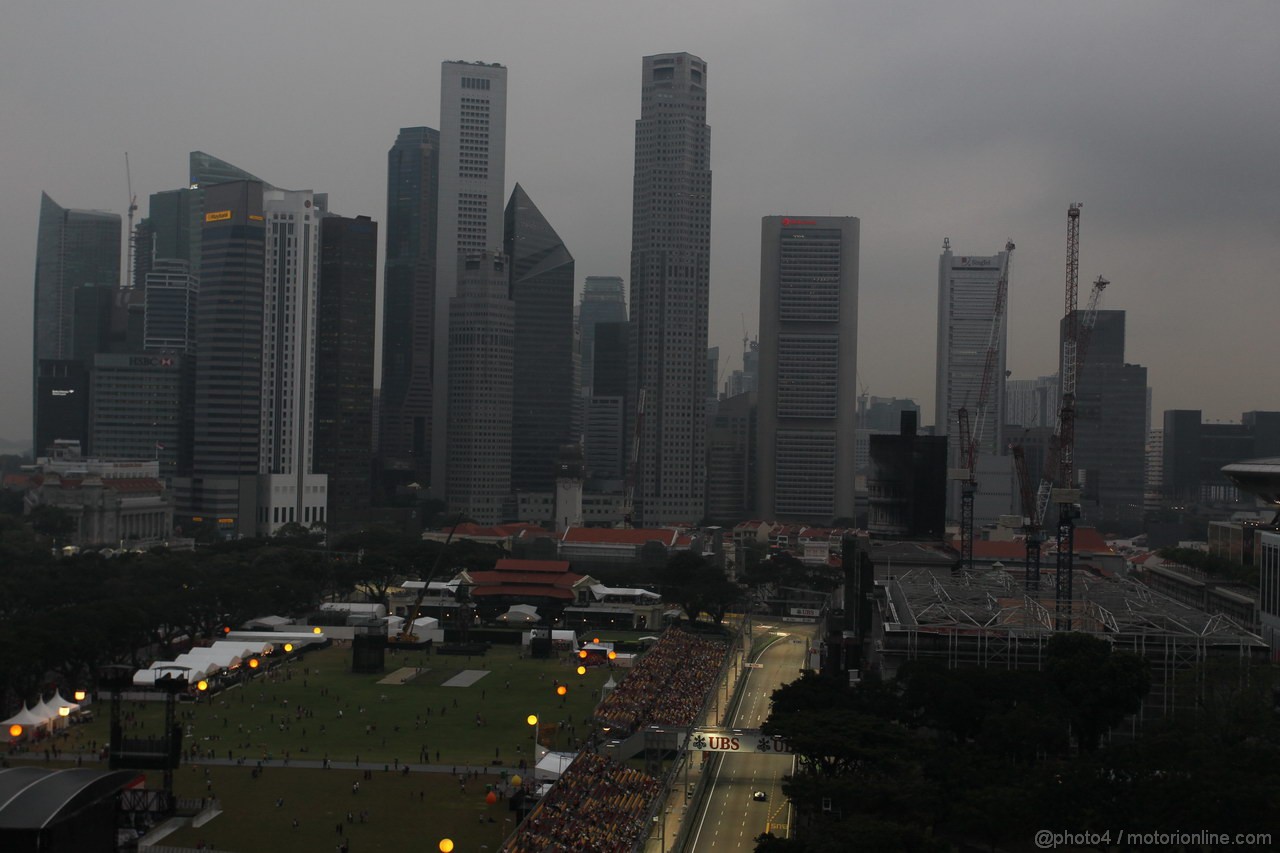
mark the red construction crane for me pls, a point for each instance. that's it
(971, 440)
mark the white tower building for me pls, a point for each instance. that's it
(472, 199)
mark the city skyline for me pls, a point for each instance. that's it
(1163, 147)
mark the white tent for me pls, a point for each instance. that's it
(48, 711)
(562, 638)
(551, 765)
(25, 718)
(520, 614)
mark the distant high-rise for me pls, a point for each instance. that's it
(1032, 402)
(808, 366)
(604, 432)
(140, 408)
(731, 460)
(473, 143)
(967, 286)
(344, 362)
(75, 248)
(1110, 429)
(228, 376)
(171, 294)
(404, 421)
(542, 289)
(670, 284)
(481, 371)
(604, 300)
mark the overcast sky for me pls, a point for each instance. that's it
(978, 121)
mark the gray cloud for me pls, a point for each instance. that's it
(979, 121)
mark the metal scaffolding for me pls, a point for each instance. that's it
(989, 619)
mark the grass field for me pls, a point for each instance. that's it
(347, 717)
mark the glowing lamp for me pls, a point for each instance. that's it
(64, 710)
(582, 670)
(595, 640)
(612, 654)
(79, 695)
(561, 690)
(316, 630)
(15, 730)
(532, 719)
(446, 845)
(583, 654)
(288, 647)
(516, 780)
(202, 685)
(226, 629)
(253, 663)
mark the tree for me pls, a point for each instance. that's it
(697, 585)
(1097, 687)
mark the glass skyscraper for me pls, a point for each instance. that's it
(542, 289)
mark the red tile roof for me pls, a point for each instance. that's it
(565, 579)
(525, 590)
(508, 564)
(1089, 539)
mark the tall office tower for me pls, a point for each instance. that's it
(75, 248)
(542, 289)
(228, 376)
(473, 145)
(140, 408)
(967, 286)
(1111, 429)
(604, 300)
(408, 306)
(1032, 402)
(808, 367)
(289, 490)
(171, 294)
(481, 371)
(670, 284)
(205, 170)
(746, 379)
(605, 434)
(344, 362)
(731, 460)
(713, 373)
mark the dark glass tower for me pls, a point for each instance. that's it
(404, 424)
(670, 284)
(542, 289)
(604, 300)
(343, 445)
(228, 380)
(75, 249)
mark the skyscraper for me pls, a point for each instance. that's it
(670, 284)
(289, 490)
(75, 248)
(542, 289)
(404, 427)
(967, 287)
(481, 371)
(604, 434)
(808, 402)
(604, 300)
(473, 142)
(1110, 429)
(171, 294)
(344, 362)
(228, 376)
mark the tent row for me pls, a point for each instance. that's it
(203, 662)
(47, 712)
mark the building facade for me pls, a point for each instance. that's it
(171, 294)
(1193, 453)
(604, 300)
(344, 362)
(481, 375)
(404, 426)
(808, 365)
(542, 281)
(670, 287)
(473, 142)
(140, 408)
(967, 286)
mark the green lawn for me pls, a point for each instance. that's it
(381, 724)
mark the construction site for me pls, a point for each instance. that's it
(989, 619)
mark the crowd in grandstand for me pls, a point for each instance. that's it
(597, 806)
(668, 686)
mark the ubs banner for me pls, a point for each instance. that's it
(744, 741)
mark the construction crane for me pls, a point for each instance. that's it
(633, 465)
(1032, 525)
(406, 636)
(971, 439)
(133, 238)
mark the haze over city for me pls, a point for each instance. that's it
(979, 122)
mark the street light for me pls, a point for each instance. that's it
(15, 730)
(64, 710)
(79, 695)
(446, 845)
(532, 720)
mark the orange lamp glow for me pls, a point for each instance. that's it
(582, 654)
(532, 719)
(253, 663)
(595, 640)
(79, 695)
(316, 630)
(613, 655)
(446, 845)
(561, 690)
(288, 647)
(64, 711)
(15, 730)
